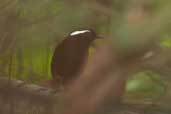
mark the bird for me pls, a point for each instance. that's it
(70, 56)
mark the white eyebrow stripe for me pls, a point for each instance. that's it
(78, 32)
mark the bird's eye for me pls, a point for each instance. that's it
(79, 32)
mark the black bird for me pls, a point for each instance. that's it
(70, 55)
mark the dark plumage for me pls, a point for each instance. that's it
(70, 55)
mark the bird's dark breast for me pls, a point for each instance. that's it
(68, 60)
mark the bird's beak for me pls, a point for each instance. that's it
(99, 37)
(97, 41)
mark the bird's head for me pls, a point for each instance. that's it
(85, 33)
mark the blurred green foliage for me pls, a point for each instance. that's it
(42, 24)
(146, 82)
(166, 42)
